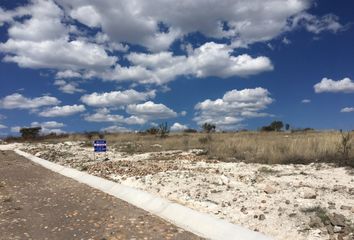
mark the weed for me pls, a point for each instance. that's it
(345, 146)
(318, 211)
(267, 170)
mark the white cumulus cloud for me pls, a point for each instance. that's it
(18, 101)
(235, 106)
(116, 129)
(347, 110)
(49, 124)
(242, 22)
(67, 87)
(346, 85)
(150, 110)
(210, 59)
(177, 127)
(42, 41)
(62, 111)
(104, 115)
(116, 98)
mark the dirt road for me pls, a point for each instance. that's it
(36, 203)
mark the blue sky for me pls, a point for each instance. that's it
(101, 65)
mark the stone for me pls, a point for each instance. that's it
(337, 229)
(337, 219)
(339, 188)
(330, 229)
(269, 189)
(309, 194)
(315, 222)
(262, 217)
(343, 207)
(287, 202)
(224, 180)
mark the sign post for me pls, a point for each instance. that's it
(99, 146)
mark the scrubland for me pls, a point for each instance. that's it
(249, 147)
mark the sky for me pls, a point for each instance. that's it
(118, 66)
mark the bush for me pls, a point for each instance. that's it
(164, 129)
(190, 130)
(152, 130)
(267, 129)
(274, 126)
(208, 127)
(30, 133)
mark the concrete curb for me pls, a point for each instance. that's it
(201, 224)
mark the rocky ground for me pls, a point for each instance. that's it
(313, 201)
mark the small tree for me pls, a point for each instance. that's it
(208, 127)
(164, 129)
(30, 133)
(277, 125)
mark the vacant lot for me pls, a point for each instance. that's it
(250, 147)
(229, 175)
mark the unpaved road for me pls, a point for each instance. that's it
(36, 203)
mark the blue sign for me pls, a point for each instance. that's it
(100, 145)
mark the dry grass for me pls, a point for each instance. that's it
(261, 147)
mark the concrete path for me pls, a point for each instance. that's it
(36, 203)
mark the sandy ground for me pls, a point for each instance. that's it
(313, 201)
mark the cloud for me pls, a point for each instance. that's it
(104, 115)
(45, 131)
(87, 15)
(115, 129)
(17, 101)
(286, 41)
(236, 106)
(347, 110)
(62, 111)
(177, 127)
(210, 59)
(2, 126)
(156, 25)
(56, 54)
(116, 98)
(42, 41)
(69, 88)
(316, 25)
(306, 101)
(67, 74)
(15, 129)
(183, 113)
(49, 124)
(150, 110)
(345, 85)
